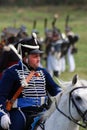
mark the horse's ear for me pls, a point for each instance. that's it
(74, 81)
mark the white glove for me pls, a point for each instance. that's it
(5, 121)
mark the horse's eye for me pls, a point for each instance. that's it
(78, 98)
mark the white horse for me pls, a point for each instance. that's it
(69, 109)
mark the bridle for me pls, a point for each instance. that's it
(71, 118)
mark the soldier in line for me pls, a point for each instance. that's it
(56, 49)
(73, 39)
(9, 55)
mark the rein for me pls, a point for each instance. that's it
(84, 125)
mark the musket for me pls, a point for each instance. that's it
(34, 27)
(34, 24)
(67, 21)
(45, 23)
(67, 27)
(54, 25)
(54, 22)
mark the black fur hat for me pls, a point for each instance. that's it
(73, 38)
(30, 46)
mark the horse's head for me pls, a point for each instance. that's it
(73, 103)
(78, 100)
(69, 107)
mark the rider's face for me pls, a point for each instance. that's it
(34, 60)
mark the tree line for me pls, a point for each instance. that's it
(41, 2)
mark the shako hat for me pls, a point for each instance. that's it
(30, 46)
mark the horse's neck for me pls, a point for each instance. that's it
(63, 104)
(58, 121)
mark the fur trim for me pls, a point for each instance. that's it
(6, 48)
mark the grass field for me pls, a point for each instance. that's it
(78, 22)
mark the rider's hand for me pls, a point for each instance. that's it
(5, 121)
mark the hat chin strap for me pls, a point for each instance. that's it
(20, 51)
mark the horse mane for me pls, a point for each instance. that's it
(66, 86)
(46, 114)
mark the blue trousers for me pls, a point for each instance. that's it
(22, 120)
(17, 120)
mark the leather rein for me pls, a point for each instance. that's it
(84, 125)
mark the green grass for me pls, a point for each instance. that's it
(78, 22)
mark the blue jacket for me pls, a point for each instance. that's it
(34, 94)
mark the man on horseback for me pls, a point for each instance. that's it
(24, 89)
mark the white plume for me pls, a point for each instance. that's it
(34, 35)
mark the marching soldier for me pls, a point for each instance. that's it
(9, 55)
(73, 38)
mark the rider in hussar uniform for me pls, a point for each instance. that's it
(34, 85)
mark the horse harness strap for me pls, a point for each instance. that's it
(71, 118)
(78, 110)
(41, 124)
(9, 103)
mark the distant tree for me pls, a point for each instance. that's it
(41, 2)
(12, 1)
